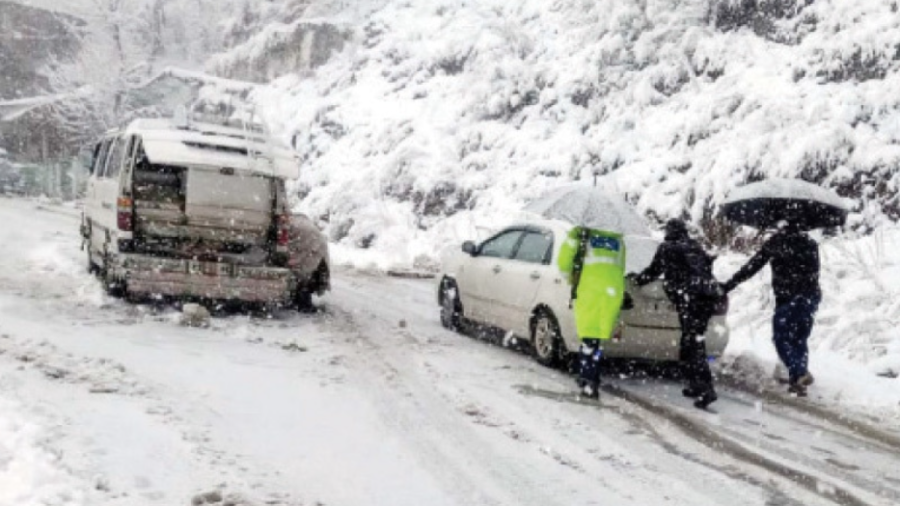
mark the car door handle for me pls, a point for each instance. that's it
(496, 269)
(535, 275)
(107, 205)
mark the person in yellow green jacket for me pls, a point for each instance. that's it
(594, 262)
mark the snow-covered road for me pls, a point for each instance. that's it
(370, 402)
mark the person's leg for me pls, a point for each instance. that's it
(701, 312)
(805, 318)
(781, 333)
(695, 367)
(589, 360)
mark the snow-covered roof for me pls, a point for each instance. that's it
(214, 145)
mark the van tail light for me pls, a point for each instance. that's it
(722, 306)
(284, 233)
(124, 214)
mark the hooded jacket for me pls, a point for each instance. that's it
(683, 264)
(794, 257)
(601, 285)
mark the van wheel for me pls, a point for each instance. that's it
(451, 307)
(545, 338)
(303, 301)
(92, 267)
(113, 286)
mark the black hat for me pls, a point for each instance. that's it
(676, 229)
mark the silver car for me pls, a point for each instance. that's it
(511, 281)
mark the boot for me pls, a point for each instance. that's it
(797, 388)
(692, 391)
(806, 380)
(706, 398)
(590, 391)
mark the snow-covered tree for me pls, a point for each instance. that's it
(127, 43)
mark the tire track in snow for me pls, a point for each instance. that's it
(713, 439)
(572, 453)
(446, 444)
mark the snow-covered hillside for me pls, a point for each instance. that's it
(442, 116)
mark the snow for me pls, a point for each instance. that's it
(448, 116)
(31, 475)
(284, 409)
(585, 205)
(780, 188)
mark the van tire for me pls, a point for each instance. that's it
(303, 301)
(92, 267)
(545, 338)
(114, 287)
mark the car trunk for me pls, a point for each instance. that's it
(204, 213)
(652, 308)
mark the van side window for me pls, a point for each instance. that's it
(100, 152)
(115, 158)
(133, 143)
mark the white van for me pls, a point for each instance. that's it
(199, 211)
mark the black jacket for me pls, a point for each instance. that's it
(685, 267)
(794, 258)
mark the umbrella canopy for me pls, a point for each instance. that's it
(766, 203)
(590, 207)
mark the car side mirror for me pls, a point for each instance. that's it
(469, 248)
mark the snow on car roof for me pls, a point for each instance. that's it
(214, 145)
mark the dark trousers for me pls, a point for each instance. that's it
(589, 362)
(694, 314)
(791, 327)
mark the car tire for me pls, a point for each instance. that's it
(545, 338)
(451, 307)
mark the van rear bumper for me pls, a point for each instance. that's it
(148, 275)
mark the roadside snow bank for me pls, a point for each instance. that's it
(31, 475)
(855, 344)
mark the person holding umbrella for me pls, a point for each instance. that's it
(792, 206)
(690, 286)
(593, 258)
(594, 262)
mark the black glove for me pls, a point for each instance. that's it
(727, 287)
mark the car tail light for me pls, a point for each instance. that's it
(284, 232)
(124, 208)
(722, 306)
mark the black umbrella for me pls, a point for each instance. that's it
(767, 203)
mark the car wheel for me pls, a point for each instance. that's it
(545, 339)
(451, 307)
